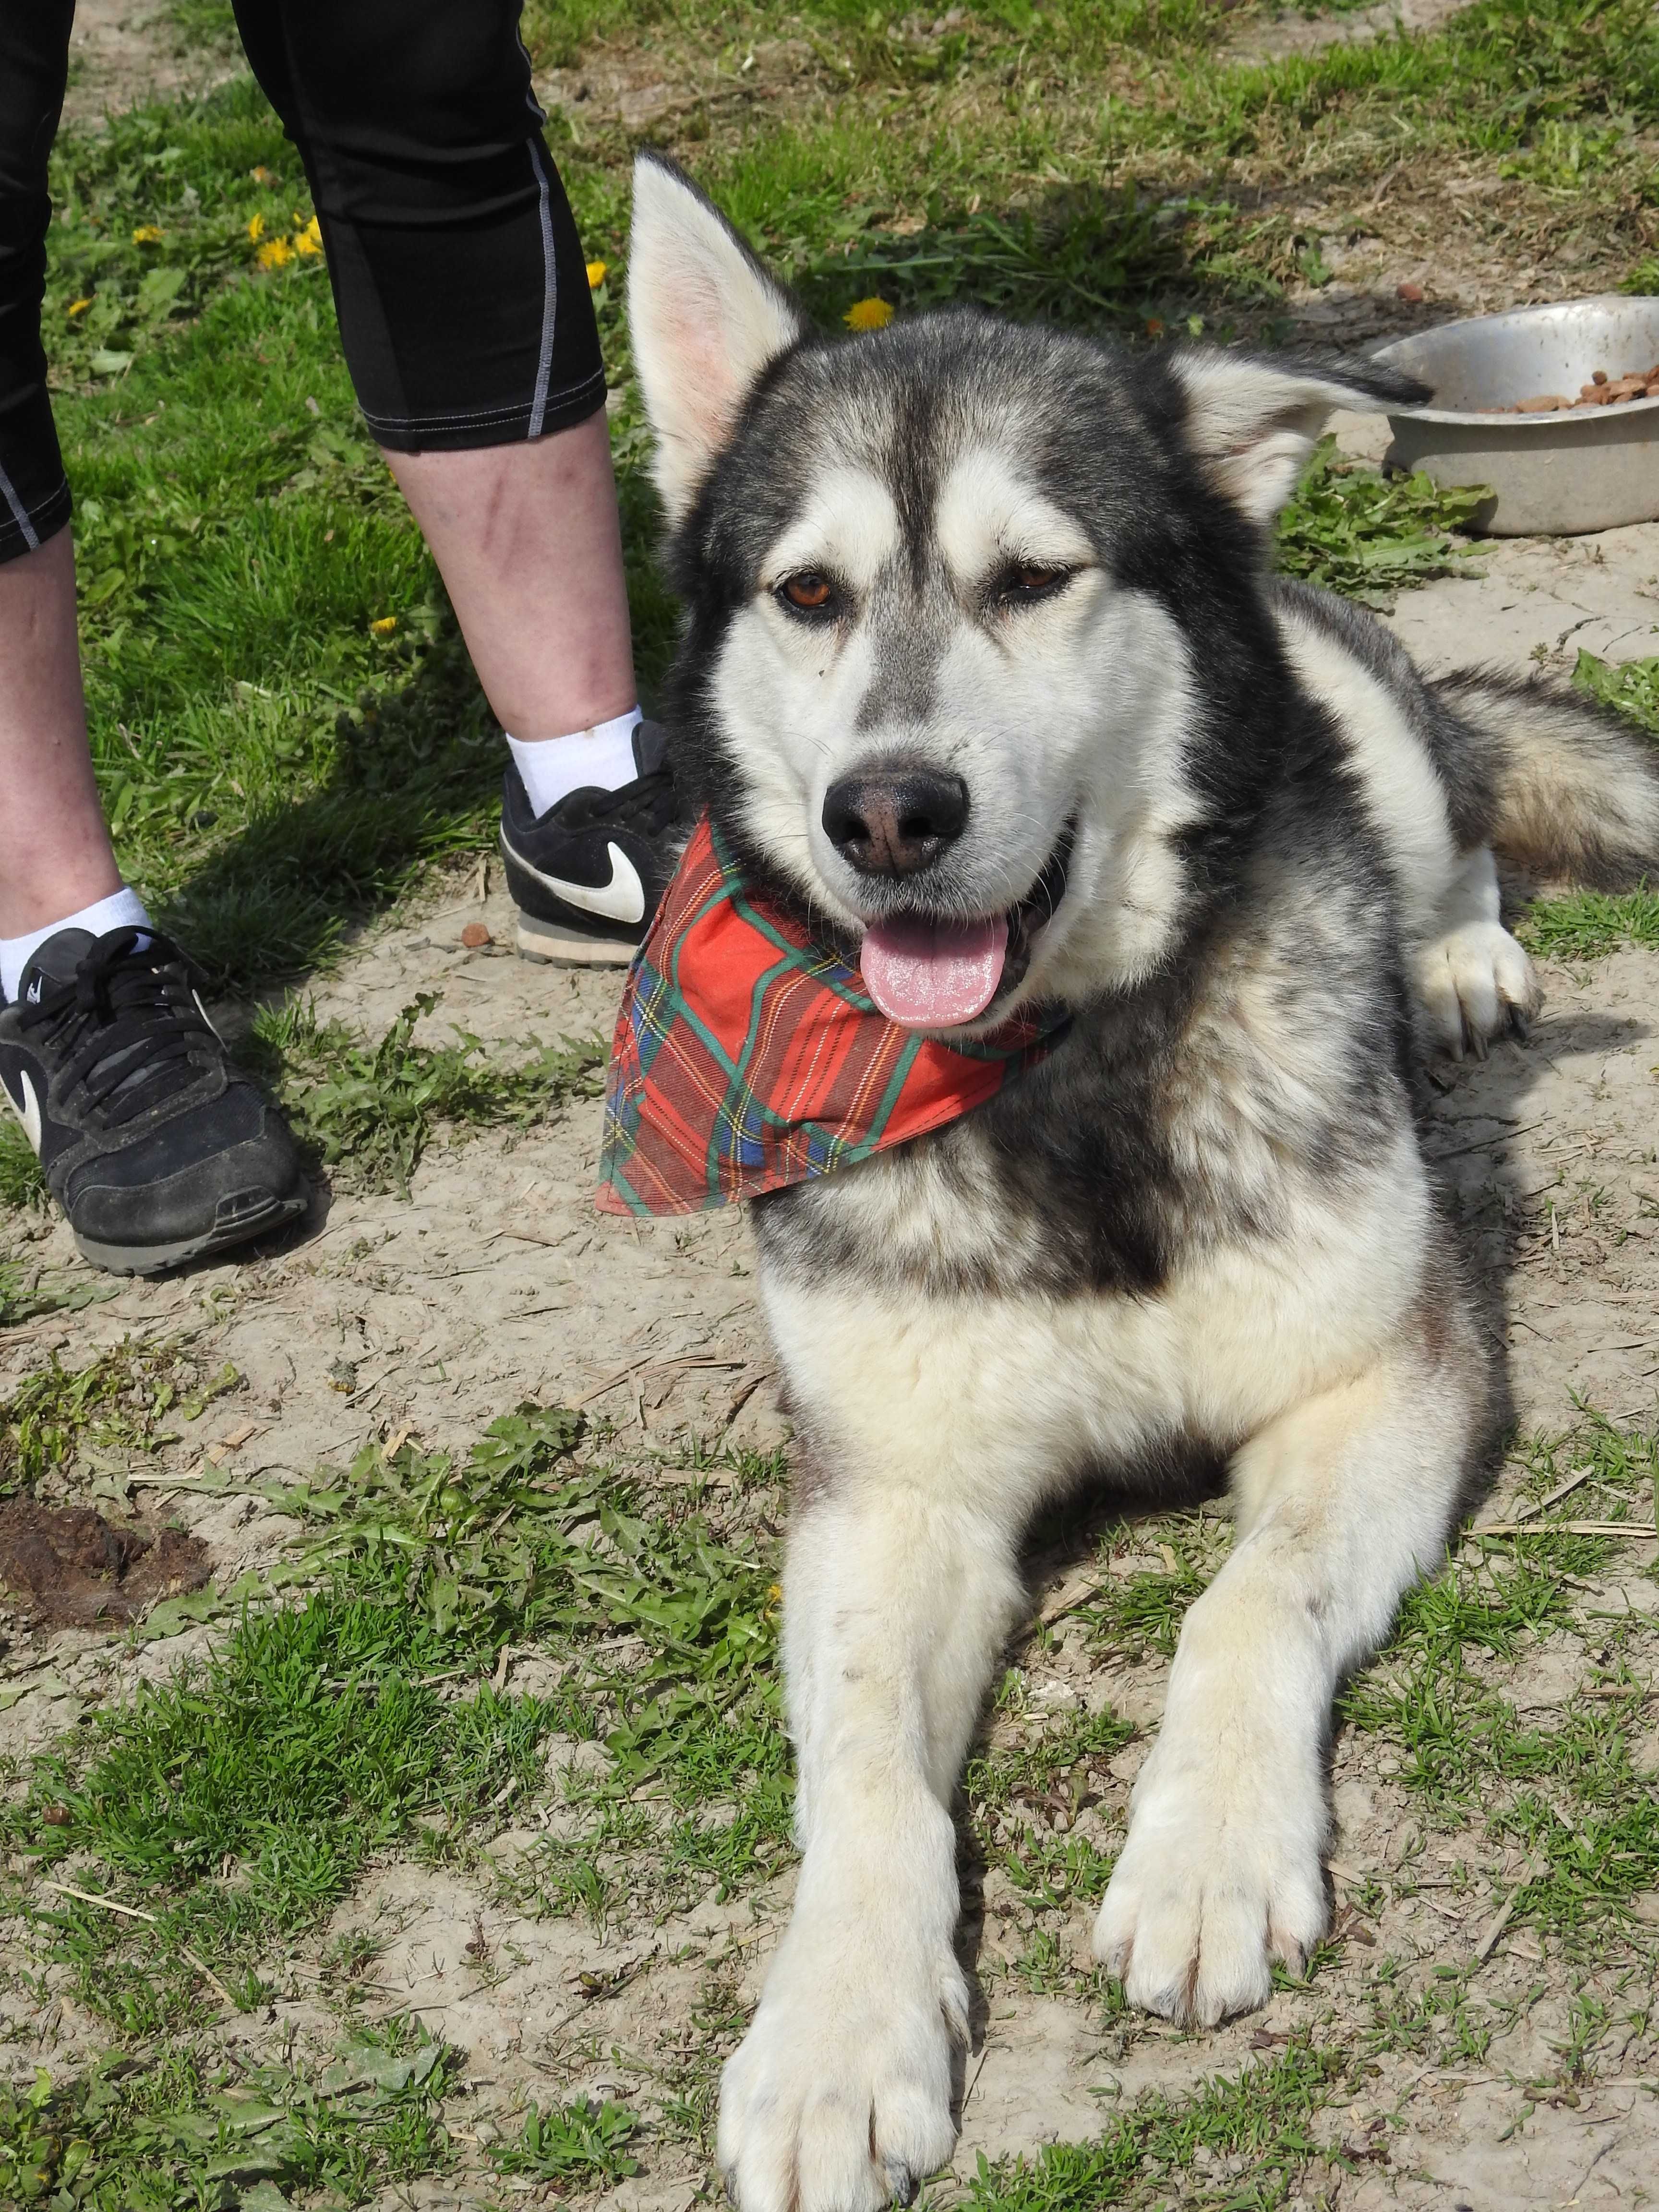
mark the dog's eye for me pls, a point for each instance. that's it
(1026, 580)
(812, 592)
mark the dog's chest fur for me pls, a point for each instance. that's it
(1207, 1199)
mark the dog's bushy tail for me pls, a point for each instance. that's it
(1573, 787)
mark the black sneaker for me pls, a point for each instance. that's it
(155, 1144)
(588, 874)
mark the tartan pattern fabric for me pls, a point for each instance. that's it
(747, 1057)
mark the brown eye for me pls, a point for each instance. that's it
(811, 591)
(1028, 581)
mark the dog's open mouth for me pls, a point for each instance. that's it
(930, 973)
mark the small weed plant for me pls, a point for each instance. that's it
(368, 1112)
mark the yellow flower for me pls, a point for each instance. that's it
(79, 307)
(146, 234)
(596, 274)
(385, 626)
(255, 229)
(310, 239)
(261, 175)
(868, 315)
(274, 253)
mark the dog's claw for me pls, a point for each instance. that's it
(905, 2185)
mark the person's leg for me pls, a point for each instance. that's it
(154, 1145)
(55, 855)
(56, 863)
(468, 327)
(530, 547)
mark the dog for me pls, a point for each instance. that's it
(982, 648)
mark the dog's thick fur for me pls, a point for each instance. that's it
(1204, 1223)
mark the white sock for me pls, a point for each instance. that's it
(601, 757)
(122, 909)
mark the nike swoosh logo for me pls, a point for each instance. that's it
(29, 1112)
(622, 899)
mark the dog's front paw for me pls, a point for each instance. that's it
(1472, 984)
(840, 2098)
(1217, 1880)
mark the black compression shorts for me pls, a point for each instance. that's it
(457, 275)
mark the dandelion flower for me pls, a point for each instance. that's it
(148, 233)
(596, 274)
(79, 307)
(274, 253)
(256, 228)
(384, 626)
(868, 315)
(309, 239)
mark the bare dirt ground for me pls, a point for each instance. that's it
(124, 51)
(496, 1281)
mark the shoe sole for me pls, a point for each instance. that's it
(158, 1259)
(550, 941)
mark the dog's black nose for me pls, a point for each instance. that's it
(895, 824)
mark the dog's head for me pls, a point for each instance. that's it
(968, 602)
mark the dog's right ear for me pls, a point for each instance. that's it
(706, 319)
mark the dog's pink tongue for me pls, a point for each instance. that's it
(932, 975)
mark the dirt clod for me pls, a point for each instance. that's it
(68, 1567)
(475, 936)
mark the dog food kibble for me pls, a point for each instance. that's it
(474, 935)
(1408, 292)
(1601, 391)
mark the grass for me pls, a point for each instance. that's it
(1566, 1792)
(369, 1112)
(137, 2135)
(1257, 2128)
(1584, 924)
(242, 1799)
(582, 2143)
(122, 1401)
(1351, 529)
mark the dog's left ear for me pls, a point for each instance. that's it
(706, 319)
(1253, 422)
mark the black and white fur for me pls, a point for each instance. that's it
(1204, 1224)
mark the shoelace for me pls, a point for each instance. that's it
(129, 1024)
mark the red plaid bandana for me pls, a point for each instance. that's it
(747, 1057)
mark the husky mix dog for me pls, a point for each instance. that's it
(985, 670)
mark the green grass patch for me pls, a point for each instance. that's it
(583, 2144)
(368, 1112)
(1587, 924)
(22, 1179)
(1252, 2135)
(1565, 1789)
(1368, 536)
(125, 1401)
(241, 1800)
(1023, 1796)
(184, 2130)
